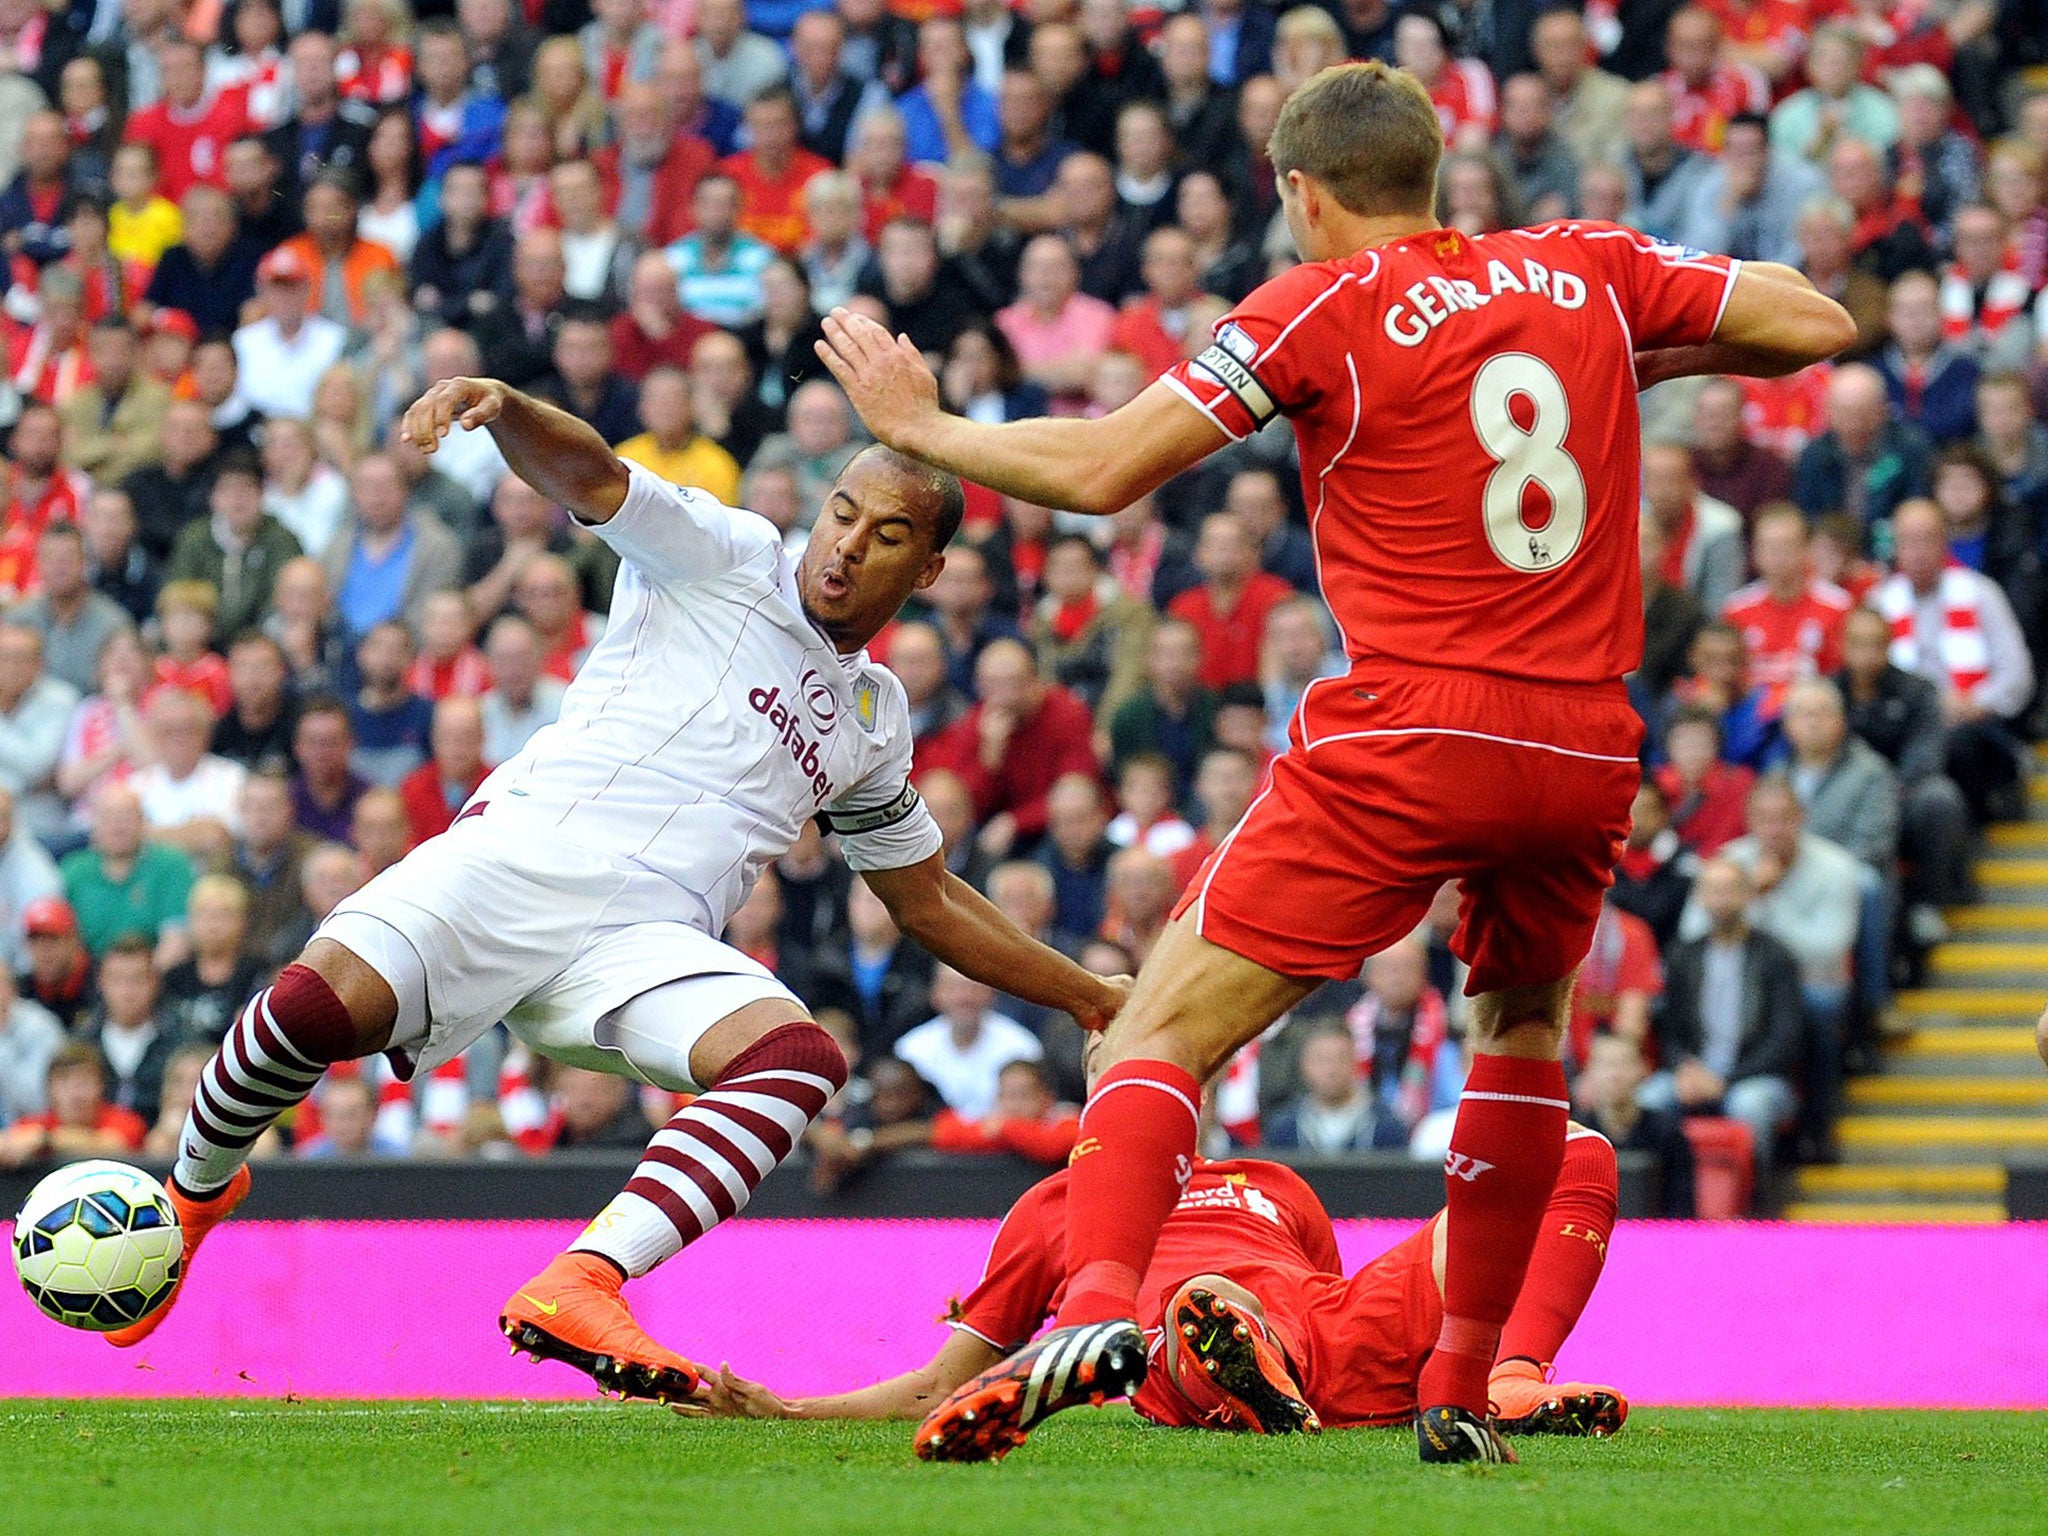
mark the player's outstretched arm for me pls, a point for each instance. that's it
(1099, 466)
(1775, 323)
(559, 456)
(963, 928)
(909, 1396)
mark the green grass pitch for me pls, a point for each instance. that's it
(298, 1469)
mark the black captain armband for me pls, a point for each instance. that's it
(848, 823)
(1227, 360)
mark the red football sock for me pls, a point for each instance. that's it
(1505, 1152)
(1570, 1252)
(1136, 1150)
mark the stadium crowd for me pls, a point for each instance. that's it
(254, 647)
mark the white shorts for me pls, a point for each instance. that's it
(497, 920)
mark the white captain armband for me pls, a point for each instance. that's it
(1227, 361)
(853, 823)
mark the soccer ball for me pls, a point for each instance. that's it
(97, 1245)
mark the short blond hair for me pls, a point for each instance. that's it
(1368, 133)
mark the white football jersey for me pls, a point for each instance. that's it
(713, 720)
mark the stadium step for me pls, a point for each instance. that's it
(1874, 1181)
(1898, 1213)
(1960, 1092)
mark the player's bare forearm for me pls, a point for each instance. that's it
(1099, 466)
(963, 928)
(558, 455)
(913, 1394)
(1775, 322)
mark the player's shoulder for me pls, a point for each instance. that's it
(1040, 1207)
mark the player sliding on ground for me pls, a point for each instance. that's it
(1465, 410)
(1252, 1321)
(580, 894)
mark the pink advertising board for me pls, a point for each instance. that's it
(1753, 1314)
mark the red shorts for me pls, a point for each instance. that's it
(1357, 1344)
(1396, 780)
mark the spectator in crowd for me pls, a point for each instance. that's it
(122, 883)
(1224, 786)
(1747, 205)
(348, 1123)
(896, 1115)
(1617, 984)
(1173, 714)
(190, 797)
(1090, 636)
(265, 862)
(240, 549)
(462, 267)
(338, 261)
(116, 563)
(389, 722)
(1027, 1120)
(79, 1122)
(1653, 878)
(869, 972)
(58, 976)
(583, 382)
(516, 338)
(305, 494)
(1295, 655)
(1865, 463)
(1888, 235)
(1954, 627)
(27, 876)
(1023, 891)
(325, 787)
(1898, 713)
(74, 621)
(1138, 898)
(111, 425)
(1836, 104)
(387, 559)
(1664, 176)
(962, 1050)
(1702, 537)
(1707, 794)
(439, 787)
(380, 830)
(548, 598)
(1402, 1039)
(1228, 610)
(1334, 1114)
(1729, 466)
(1058, 332)
(35, 710)
(951, 804)
(670, 444)
(1729, 1031)
(132, 1040)
(448, 662)
(282, 355)
(1849, 792)
(917, 656)
(521, 698)
(257, 726)
(2014, 440)
(30, 1038)
(1148, 794)
(593, 1111)
(1076, 851)
(203, 993)
(1791, 623)
(1606, 1098)
(1588, 102)
(1013, 744)
(1931, 381)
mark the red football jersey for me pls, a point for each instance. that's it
(1466, 414)
(1241, 1219)
(1788, 641)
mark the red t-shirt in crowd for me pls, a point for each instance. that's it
(124, 1123)
(1231, 641)
(191, 146)
(1466, 413)
(1054, 740)
(1788, 641)
(772, 207)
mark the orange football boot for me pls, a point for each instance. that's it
(1525, 1404)
(196, 1218)
(1226, 1349)
(572, 1312)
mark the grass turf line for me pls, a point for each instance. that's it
(265, 1467)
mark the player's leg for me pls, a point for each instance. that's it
(327, 1006)
(766, 1071)
(1224, 1357)
(1565, 1266)
(1506, 1148)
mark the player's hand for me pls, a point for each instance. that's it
(452, 403)
(729, 1396)
(1115, 992)
(884, 376)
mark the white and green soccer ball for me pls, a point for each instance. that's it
(97, 1245)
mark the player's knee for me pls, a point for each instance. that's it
(332, 1007)
(797, 1046)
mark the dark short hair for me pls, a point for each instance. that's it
(1756, 120)
(1074, 540)
(238, 461)
(1695, 714)
(324, 704)
(130, 946)
(61, 530)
